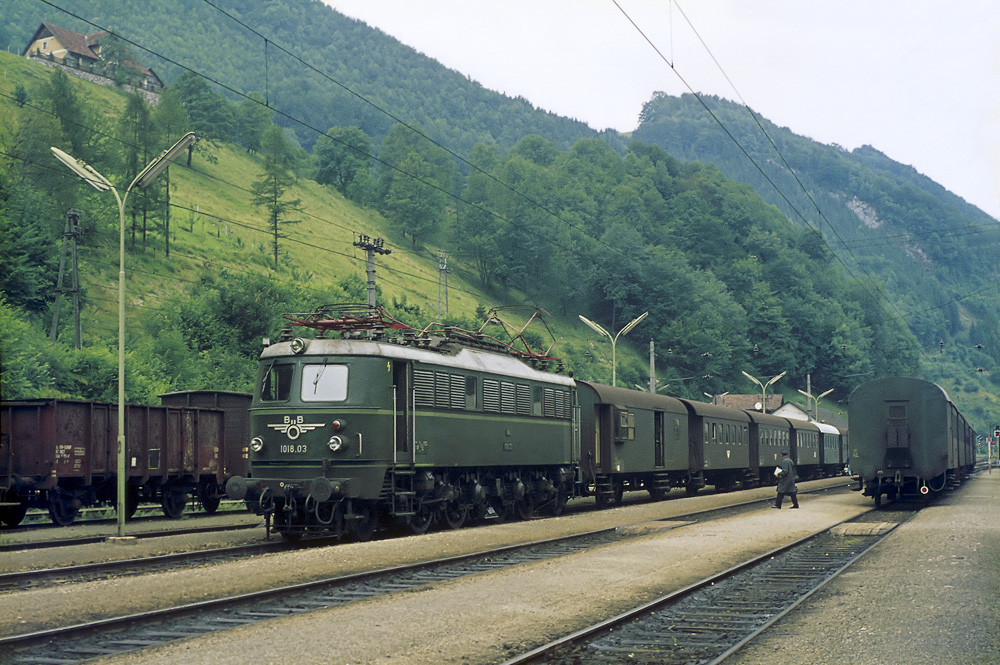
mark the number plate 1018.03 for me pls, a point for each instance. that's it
(286, 448)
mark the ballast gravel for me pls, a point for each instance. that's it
(485, 618)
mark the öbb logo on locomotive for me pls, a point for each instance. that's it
(294, 426)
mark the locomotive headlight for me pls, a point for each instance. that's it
(298, 345)
(338, 425)
(336, 444)
(256, 444)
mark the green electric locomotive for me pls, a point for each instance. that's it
(350, 433)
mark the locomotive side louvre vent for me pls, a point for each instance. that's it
(457, 392)
(439, 389)
(507, 397)
(491, 395)
(564, 404)
(523, 399)
(442, 390)
(423, 388)
(556, 404)
(549, 403)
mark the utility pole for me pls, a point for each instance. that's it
(652, 368)
(70, 236)
(443, 282)
(373, 246)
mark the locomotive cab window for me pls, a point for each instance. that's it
(276, 384)
(324, 383)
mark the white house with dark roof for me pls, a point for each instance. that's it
(79, 52)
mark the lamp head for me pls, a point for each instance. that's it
(155, 167)
(83, 169)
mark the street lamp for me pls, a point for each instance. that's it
(102, 184)
(763, 388)
(814, 401)
(624, 331)
(715, 398)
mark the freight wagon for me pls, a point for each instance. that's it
(62, 455)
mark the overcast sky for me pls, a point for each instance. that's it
(917, 79)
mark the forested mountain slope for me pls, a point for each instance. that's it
(552, 212)
(933, 254)
(319, 67)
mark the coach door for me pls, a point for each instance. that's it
(402, 407)
(658, 438)
(897, 435)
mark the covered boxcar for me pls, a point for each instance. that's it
(907, 439)
(61, 454)
(631, 441)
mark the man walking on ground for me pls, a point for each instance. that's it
(786, 481)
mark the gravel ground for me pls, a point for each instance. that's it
(482, 619)
(132, 548)
(928, 595)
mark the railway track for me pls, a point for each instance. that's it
(88, 572)
(133, 533)
(126, 633)
(706, 622)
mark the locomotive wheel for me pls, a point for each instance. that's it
(558, 504)
(420, 522)
(455, 514)
(63, 508)
(363, 526)
(173, 502)
(502, 511)
(12, 515)
(525, 507)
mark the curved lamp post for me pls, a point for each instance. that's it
(814, 400)
(102, 184)
(763, 388)
(614, 340)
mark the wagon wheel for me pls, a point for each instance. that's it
(208, 493)
(173, 501)
(11, 515)
(363, 526)
(419, 522)
(131, 501)
(455, 514)
(63, 507)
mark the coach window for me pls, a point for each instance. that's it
(276, 384)
(324, 383)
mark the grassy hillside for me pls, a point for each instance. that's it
(215, 229)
